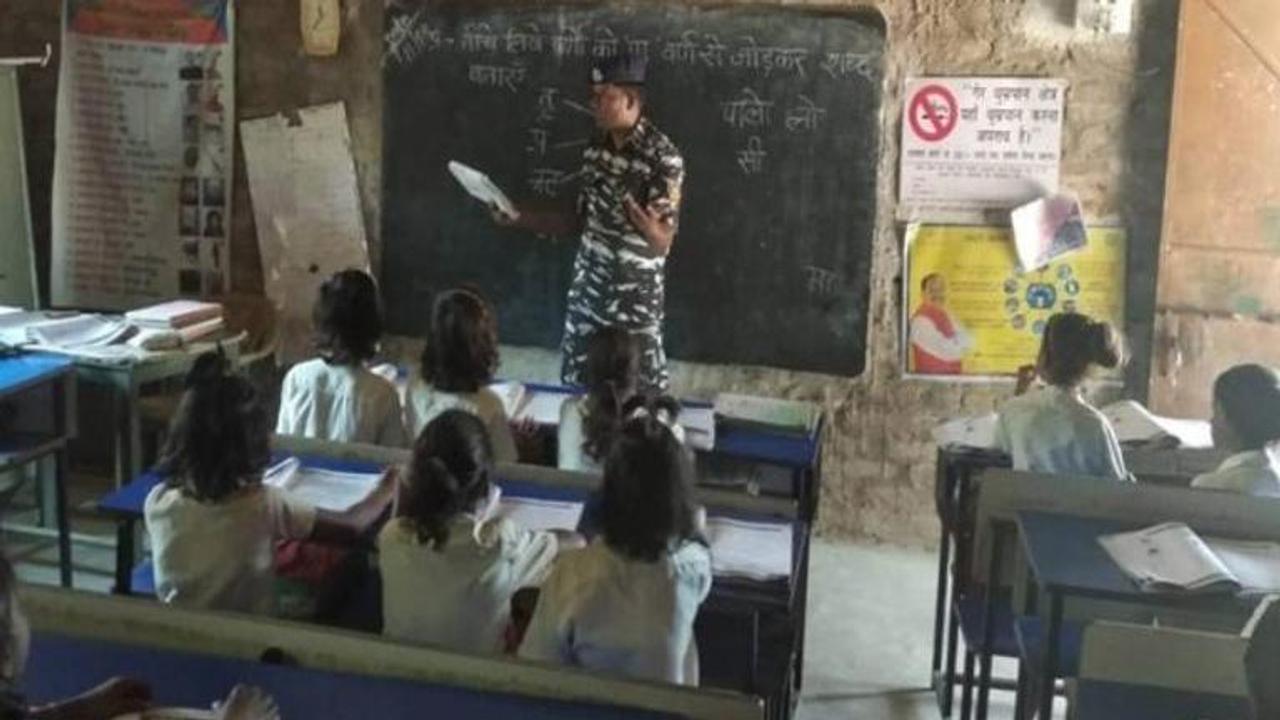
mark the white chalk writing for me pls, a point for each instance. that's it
(748, 111)
(637, 47)
(548, 181)
(478, 37)
(821, 282)
(751, 158)
(577, 107)
(524, 39)
(569, 42)
(605, 43)
(759, 57)
(806, 116)
(408, 38)
(684, 50)
(538, 141)
(839, 65)
(547, 104)
(712, 53)
(506, 77)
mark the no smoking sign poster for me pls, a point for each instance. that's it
(974, 146)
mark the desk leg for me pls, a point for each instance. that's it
(128, 434)
(753, 669)
(60, 511)
(940, 599)
(124, 557)
(1050, 675)
(989, 620)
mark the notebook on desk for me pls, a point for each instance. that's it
(322, 489)
(1171, 557)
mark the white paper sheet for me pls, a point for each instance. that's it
(1134, 423)
(306, 206)
(322, 489)
(1255, 565)
(1169, 556)
(479, 186)
(542, 408)
(539, 514)
(78, 332)
(1046, 229)
(699, 424)
(972, 432)
(760, 551)
(512, 395)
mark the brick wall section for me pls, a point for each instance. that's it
(878, 457)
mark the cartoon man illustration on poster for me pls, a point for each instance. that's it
(938, 342)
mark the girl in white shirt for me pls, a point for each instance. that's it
(335, 397)
(458, 363)
(212, 523)
(626, 603)
(1246, 423)
(1054, 429)
(588, 424)
(449, 566)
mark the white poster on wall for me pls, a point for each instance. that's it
(142, 174)
(306, 206)
(971, 146)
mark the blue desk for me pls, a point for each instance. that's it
(1100, 700)
(61, 666)
(41, 387)
(764, 605)
(1066, 560)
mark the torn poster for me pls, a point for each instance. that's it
(306, 206)
(141, 201)
(1047, 229)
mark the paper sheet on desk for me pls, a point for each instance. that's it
(539, 514)
(322, 489)
(479, 186)
(972, 432)
(542, 408)
(759, 551)
(79, 331)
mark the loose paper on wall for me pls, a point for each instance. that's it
(969, 313)
(1047, 229)
(306, 205)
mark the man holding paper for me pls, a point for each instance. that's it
(626, 219)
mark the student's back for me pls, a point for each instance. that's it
(1053, 429)
(627, 602)
(449, 569)
(458, 362)
(342, 403)
(335, 397)
(1246, 424)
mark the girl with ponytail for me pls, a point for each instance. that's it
(1246, 423)
(626, 603)
(449, 565)
(1054, 429)
(590, 424)
(212, 523)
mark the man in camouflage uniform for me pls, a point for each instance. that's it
(626, 220)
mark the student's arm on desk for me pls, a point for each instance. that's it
(350, 526)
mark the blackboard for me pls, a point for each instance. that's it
(776, 111)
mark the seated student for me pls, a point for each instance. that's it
(1053, 429)
(458, 363)
(212, 522)
(626, 603)
(449, 566)
(1246, 423)
(335, 397)
(588, 424)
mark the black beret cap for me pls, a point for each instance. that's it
(619, 70)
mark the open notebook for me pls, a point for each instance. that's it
(1133, 423)
(1172, 557)
(322, 489)
(759, 551)
(524, 403)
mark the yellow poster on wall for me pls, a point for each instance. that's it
(969, 312)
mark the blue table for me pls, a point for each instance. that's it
(61, 666)
(1101, 700)
(1066, 560)
(758, 601)
(41, 386)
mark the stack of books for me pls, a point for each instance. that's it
(189, 319)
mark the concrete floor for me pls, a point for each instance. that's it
(869, 631)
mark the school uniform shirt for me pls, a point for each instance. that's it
(220, 555)
(342, 403)
(1255, 472)
(570, 455)
(458, 597)
(423, 403)
(617, 278)
(601, 610)
(1051, 430)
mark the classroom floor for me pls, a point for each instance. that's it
(869, 632)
